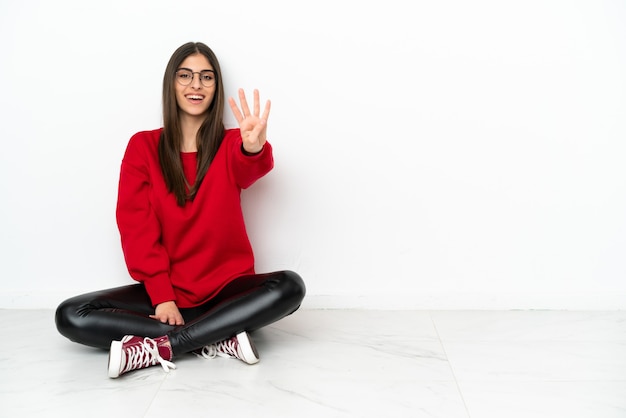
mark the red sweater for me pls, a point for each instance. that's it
(186, 254)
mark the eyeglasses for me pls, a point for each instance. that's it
(185, 77)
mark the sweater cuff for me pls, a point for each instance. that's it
(251, 154)
(159, 289)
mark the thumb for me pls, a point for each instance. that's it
(259, 130)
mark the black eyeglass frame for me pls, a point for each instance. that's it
(188, 71)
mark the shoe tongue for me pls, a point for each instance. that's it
(165, 349)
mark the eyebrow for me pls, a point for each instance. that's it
(201, 71)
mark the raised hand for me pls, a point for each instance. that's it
(253, 126)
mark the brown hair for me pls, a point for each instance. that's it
(209, 136)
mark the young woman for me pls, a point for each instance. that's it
(183, 234)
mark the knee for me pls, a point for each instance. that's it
(293, 286)
(67, 316)
(62, 316)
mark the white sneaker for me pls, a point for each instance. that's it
(240, 347)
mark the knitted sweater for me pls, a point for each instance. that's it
(186, 254)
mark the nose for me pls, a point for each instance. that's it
(195, 81)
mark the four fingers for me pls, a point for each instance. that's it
(242, 114)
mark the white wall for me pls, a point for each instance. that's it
(433, 154)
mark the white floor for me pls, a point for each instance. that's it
(340, 363)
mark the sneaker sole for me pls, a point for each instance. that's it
(115, 359)
(248, 350)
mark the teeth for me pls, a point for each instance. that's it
(195, 97)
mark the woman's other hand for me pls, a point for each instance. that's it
(168, 313)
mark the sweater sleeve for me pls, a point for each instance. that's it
(247, 169)
(140, 231)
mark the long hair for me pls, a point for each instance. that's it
(209, 136)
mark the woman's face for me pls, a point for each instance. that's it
(195, 98)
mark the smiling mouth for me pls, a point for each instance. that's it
(195, 97)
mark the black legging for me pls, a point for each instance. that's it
(246, 304)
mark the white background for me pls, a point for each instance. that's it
(429, 154)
